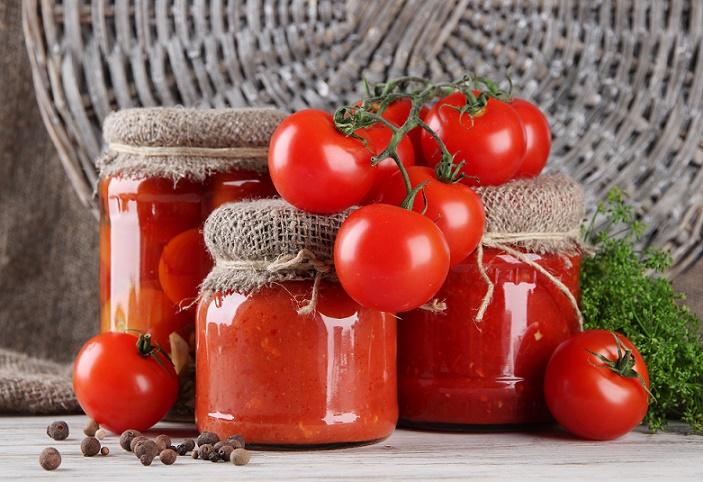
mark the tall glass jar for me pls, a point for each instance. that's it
(166, 169)
(284, 356)
(479, 365)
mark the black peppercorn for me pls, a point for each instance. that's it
(57, 430)
(90, 446)
(50, 458)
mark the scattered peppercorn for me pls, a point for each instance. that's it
(146, 447)
(214, 456)
(90, 427)
(204, 451)
(104, 451)
(135, 441)
(168, 456)
(57, 430)
(195, 454)
(225, 451)
(163, 441)
(189, 444)
(237, 441)
(146, 459)
(100, 434)
(240, 456)
(126, 439)
(208, 438)
(90, 446)
(180, 449)
(50, 458)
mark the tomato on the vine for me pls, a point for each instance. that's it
(454, 207)
(389, 258)
(538, 135)
(317, 168)
(596, 385)
(398, 112)
(379, 136)
(492, 141)
(122, 382)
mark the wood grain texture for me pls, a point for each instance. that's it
(549, 454)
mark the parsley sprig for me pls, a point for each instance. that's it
(622, 290)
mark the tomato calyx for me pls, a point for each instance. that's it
(145, 349)
(623, 365)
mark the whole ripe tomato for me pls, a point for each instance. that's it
(455, 208)
(586, 396)
(492, 144)
(539, 138)
(236, 185)
(379, 136)
(122, 386)
(315, 167)
(389, 258)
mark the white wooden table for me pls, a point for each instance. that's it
(406, 455)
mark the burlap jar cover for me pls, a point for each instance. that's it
(176, 143)
(258, 243)
(186, 143)
(540, 215)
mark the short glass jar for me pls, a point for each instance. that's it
(284, 356)
(479, 364)
(165, 170)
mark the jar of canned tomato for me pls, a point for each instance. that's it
(284, 356)
(165, 171)
(479, 364)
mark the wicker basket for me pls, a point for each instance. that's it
(621, 81)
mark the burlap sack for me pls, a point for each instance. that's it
(178, 142)
(256, 243)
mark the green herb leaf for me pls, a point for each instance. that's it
(622, 290)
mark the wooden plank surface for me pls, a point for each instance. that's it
(407, 455)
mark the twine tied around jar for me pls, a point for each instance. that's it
(540, 215)
(268, 241)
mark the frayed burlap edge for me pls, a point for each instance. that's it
(35, 387)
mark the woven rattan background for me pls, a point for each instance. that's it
(620, 80)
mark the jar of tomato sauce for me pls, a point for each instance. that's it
(479, 364)
(164, 171)
(284, 356)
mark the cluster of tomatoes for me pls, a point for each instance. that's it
(410, 164)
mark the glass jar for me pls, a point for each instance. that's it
(284, 357)
(154, 198)
(282, 380)
(458, 370)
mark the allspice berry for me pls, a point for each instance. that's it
(126, 439)
(225, 452)
(57, 430)
(205, 450)
(135, 441)
(90, 446)
(90, 427)
(146, 447)
(208, 438)
(240, 456)
(104, 451)
(168, 456)
(237, 440)
(163, 441)
(50, 458)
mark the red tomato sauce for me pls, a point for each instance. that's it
(283, 380)
(459, 374)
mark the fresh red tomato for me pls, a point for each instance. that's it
(398, 112)
(315, 167)
(492, 144)
(184, 264)
(455, 208)
(389, 258)
(539, 138)
(586, 396)
(379, 136)
(122, 386)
